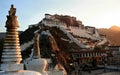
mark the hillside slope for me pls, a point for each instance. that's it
(112, 34)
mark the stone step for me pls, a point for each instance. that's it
(5, 60)
(11, 56)
(11, 52)
(11, 47)
(11, 44)
(13, 41)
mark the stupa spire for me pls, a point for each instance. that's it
(36, 53)
(11, 18)
(11, 55)
(12, 10)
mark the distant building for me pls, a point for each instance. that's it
(88, 55)
(115, 51)
(48, 16)
(114, 48)
(90, 29)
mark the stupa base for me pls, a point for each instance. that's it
(11, 67)
(38, 65)
(21, 72)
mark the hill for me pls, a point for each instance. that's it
(112, 34)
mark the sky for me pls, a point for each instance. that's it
(97, 13)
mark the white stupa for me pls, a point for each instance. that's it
(35, 62)
(11, 55)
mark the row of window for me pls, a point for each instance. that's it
(88, 55)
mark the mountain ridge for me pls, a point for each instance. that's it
(115, 28)
(112, 34)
